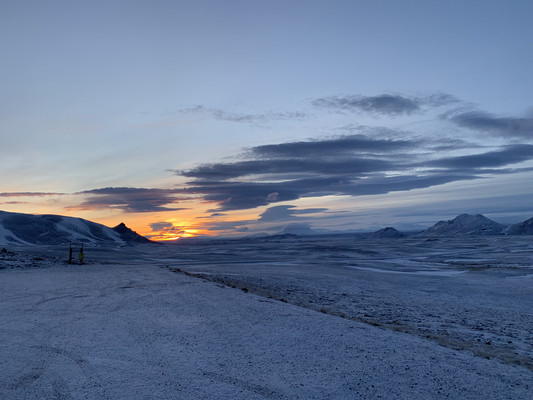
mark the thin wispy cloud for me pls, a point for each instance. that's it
(30, 194)
(335, 147)
(506, 156)
(308, 166)
(160, 226)
(506, 127)
(386, 104)
(223, 115)
(286, 212)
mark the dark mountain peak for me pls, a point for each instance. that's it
(122, 228)
(129, 235)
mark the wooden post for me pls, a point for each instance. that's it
(81, 256)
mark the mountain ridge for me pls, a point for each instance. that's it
(465, 225)
(50, 229)
(522, 228)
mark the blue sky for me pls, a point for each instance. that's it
(236, 117)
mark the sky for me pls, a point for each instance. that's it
(186, 118)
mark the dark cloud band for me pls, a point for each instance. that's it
(346, 165)
(131, 199)
(383, 104)
(512, 127)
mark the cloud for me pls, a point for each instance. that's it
(342, 145)
(213, 215)
(225, 171)
(30, 194)
(366, 161)
(382, 104)
(439, 99)
(511, 127)
(261, 118)
(130, 199)
(353, 154)
(238, 226)
(25, 194)
(386, 104)
(263, 223)
(159, 226)
(279, 213)
(499, 158)
(353, 165)
(167, 231)
(404, 183)
(245, 195)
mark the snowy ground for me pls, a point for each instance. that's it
(306, 319)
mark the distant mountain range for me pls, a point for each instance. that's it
(28, 229)
(462, 225)
(468, 225)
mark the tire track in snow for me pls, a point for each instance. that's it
(312, 301)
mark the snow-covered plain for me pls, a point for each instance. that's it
(291, 318)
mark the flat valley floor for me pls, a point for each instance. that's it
(288, 318)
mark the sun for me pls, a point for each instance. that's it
(165, 236)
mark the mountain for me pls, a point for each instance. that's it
(297, 229)
(386, 233)
(28, 229)
(130, 236)
(523, 228)
(465, 225)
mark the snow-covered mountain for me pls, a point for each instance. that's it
(386, 233)
(28, 229)
(523, 228)
(465, 225)
(297, 229)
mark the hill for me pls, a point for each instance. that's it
(296, 229)
(465, 225)
(386, 233)
(28, 229)
(523, 228)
